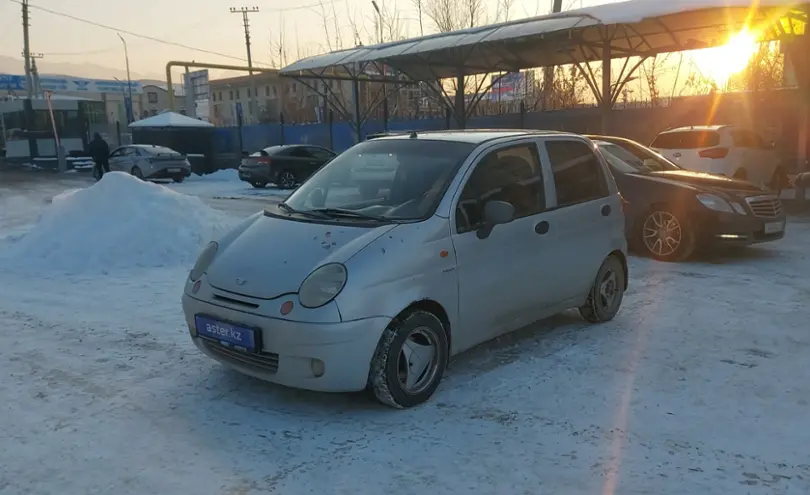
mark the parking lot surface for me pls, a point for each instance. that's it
(700, 385)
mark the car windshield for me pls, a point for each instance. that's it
(385, 180)
(634, 160)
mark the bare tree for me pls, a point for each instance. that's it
(765, 71)
(418, 5)
(651, 71)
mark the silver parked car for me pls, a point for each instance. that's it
(477, 233)
(147, 161)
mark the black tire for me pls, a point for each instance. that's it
(607, 292)
(97, 173)
(385, 375)
(741, 174)
(179, 178)
(286, 179)
(686, 240)
(258, 185)
(136, 172)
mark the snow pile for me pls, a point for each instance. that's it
(119, 222)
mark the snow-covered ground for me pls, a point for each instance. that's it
(700, 385)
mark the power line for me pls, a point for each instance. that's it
(130, 33)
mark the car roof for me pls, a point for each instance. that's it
(473, 136)
(715, 127)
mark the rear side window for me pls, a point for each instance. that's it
(300, 153)
(578, 173)
(686, 140)
(747, 139)
(320, 153)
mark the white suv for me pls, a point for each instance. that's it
(724, 150)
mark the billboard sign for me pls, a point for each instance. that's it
(198, 84)
(11, 82)
(512, 86)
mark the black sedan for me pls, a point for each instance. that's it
(671, 211)
(284, 166)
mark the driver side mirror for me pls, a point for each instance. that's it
(495, 213)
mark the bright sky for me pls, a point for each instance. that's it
(209, 25)
(205, 24)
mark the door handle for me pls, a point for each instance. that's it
(606, 210)
(541, 228)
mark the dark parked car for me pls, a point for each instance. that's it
(671, 211)
(284, 166)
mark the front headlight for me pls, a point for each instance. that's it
(203, 261)
(715, 203)
(322, 285)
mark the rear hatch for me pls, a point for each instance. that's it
(688, 147)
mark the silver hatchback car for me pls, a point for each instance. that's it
(147, 161)
(476, 234)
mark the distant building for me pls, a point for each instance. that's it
(274, 96)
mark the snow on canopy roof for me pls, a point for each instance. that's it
(634, 27)
(169, 119)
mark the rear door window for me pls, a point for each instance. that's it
(747, 139)
(578, 174)
(300, 153)
(686, 140)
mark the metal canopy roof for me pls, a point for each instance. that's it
(631, 28)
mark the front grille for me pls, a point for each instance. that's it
(264, 361)
(236, 302)
(765, 206)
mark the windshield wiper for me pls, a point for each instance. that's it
(341, 212)
(307, 213)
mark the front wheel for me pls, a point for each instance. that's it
(136, 172)
(179, 178)
(258, 185)
(606, 294)
(666, 236)
(410, 360)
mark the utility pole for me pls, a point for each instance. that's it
(29, 83)
(245, 11)
(128, 105)
(384, 89)
(548, 72)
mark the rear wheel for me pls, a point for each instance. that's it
(666, 236)
(136, 171)
(410, 360)
(179, 178)
(607, 292)
(286, 179)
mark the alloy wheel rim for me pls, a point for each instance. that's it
(418, 360)
(287, 179)
(662, 233)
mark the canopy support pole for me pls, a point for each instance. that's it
(461, 114)
(607, 93)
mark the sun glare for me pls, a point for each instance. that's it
(722, 62)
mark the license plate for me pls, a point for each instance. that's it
(774, 227)
(236, 336)
(174, 170)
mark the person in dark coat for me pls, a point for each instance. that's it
(100, 152)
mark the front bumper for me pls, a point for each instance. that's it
(291, 350)
(727, 229)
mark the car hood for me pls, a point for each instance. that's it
(705, 181)
(272, 256)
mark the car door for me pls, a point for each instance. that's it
(503, 276)
(304, 163)
(586, 216)
(116, 160)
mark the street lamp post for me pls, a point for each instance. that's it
(130, 109)
(384, 89)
